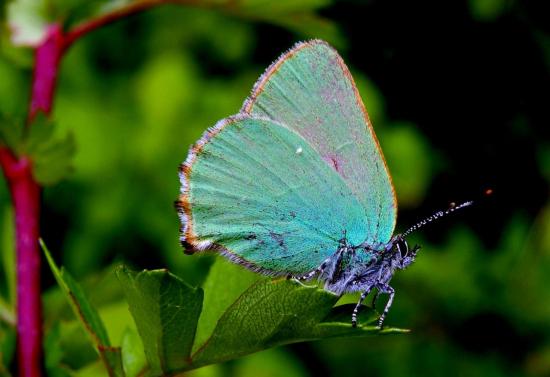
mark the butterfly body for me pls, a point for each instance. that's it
(353, 269)
(295, 184)
(363, 268)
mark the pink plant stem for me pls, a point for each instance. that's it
(25, 194)
(46, 66)
(25, 191)
(128, 10)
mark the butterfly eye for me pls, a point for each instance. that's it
(403, 247)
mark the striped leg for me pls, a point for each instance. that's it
(330, 266)
(308, 276)
(391, 292)
(302, 284)
(354, 314)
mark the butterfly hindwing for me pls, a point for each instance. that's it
(310, 90)
(259, 193)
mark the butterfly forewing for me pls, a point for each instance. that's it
(259, 193)
(310, 90)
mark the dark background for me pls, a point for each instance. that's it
(458, 92)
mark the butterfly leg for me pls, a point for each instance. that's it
(305, 277)
(356, 310)
(391, 292)
(328, 267)
(309, 275)
(297, 280)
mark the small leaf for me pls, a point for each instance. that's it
(242, 313)
(275, 312)
(166, 311)
(51, 157)
(11, 133)
(88, 316)
(36, 135)
(54, 160)
(233, 280)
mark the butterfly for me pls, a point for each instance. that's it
(296, 184)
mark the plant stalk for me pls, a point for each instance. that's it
(47, 57)
(25, 194)
(25, 190)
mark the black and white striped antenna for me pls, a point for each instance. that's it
(453, 207)
(437, 215)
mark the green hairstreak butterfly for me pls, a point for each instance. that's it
(296, 184)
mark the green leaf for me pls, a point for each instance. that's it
(275, 312)
(11, 133)
(242, 313)
(53, 161)
(88, 316)
(166, 311)
(234, 280)
(51, 157)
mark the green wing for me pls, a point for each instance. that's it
(310, 90)
(259, 193)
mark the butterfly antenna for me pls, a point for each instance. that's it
(453, 207)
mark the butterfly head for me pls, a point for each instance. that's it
(398, 248)
(401, 254)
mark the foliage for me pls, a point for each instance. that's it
(89, 317)
(167, 312)
(51, 156)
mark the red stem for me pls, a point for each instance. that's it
(25, 191)
(87, 26)
(25, 194)
(136, 7)
(46, 65)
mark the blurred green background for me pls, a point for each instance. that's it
(458, 93)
